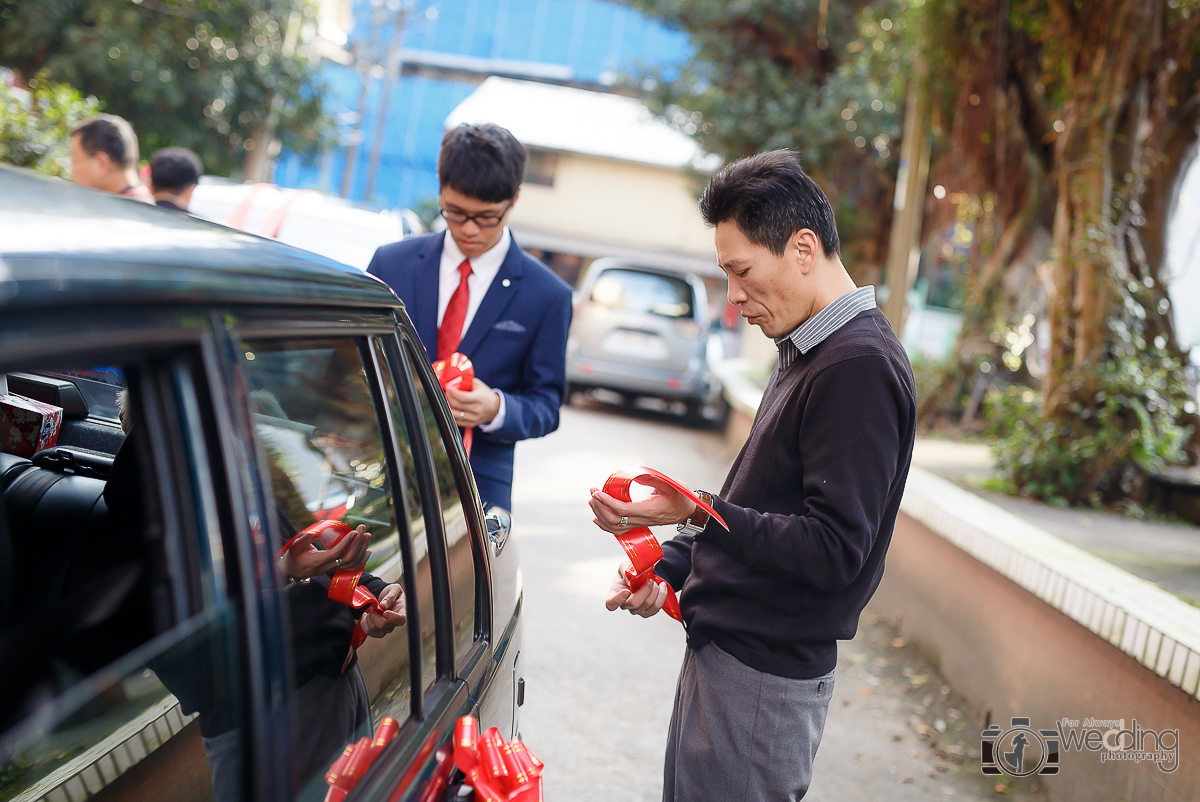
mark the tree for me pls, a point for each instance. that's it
(36, 125)
(825, 79)
(1061, 128)
(202, 74)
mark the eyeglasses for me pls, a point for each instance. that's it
(489, 220)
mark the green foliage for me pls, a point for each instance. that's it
(36, 125)
(764, 77)
(202, 74)
(1121, 426)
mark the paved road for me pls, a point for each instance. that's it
(600, 685)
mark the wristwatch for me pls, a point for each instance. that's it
(695, 524)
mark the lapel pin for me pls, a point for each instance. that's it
(505, 283)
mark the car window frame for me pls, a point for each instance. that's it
(172, 353)
(474, 664)
(406, 761)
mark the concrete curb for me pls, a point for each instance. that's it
(1159, 630)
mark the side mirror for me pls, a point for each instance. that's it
(498, 523)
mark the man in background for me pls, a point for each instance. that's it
(104, 156)
(474, 291)
(174, 174)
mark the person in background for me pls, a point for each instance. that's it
(174, 174)
(104, 156)
(461, 289)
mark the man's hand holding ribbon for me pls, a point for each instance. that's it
(474, 407)
(301, 558)
(616, 512)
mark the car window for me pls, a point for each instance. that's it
(459, 553)
(647, 293)
(321, 440)
(119, 643)
(416, 520)
(99, 386)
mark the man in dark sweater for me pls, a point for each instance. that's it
(811, 500)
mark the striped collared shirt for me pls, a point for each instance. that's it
(816, 329)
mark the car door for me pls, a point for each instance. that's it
(123, 650)
(332, 443)
(483, 564)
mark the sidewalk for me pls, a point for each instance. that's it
(1163, 553)
(897, 732)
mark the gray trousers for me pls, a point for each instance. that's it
(741, 734)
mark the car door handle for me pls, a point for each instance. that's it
(498, 522)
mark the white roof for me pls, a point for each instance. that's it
(580, 121)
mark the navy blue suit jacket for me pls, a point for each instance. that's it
(517, 342)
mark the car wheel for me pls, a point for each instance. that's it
(708, 416)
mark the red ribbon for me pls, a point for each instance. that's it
(356, 758)
(498, 771)
(457, 371)
(640, 544)
(344, 586)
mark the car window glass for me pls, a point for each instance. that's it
(119, 678)
(648, 293)
(459, 554)
(416, 523)
(317, 426)
(99, 385)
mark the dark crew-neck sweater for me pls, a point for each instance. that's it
(811, 501)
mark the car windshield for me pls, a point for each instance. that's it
(649, 293)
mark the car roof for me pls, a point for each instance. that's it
(62, 244)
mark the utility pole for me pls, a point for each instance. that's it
(904, 244)
(366, 60)
(391, 73)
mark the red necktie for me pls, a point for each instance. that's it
(450, 332)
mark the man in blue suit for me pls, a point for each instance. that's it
(471, 289)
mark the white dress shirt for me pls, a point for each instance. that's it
(483, 272)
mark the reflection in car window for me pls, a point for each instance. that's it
(454, 522)
(108, 688)
(637, 291)
(416, 524)
(317, 425)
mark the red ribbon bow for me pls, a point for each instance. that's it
(640, 544)
(457, 371)
(356, 758)
(498, 771)
(344, 586)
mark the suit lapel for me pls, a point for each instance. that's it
(499, 295)
(426, 278)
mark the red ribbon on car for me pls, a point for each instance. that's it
(344, 586)
(640, 544)
(457, 371)
(498, 771)
(356, 758)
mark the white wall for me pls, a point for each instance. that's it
(1183, 260)
(619, 202)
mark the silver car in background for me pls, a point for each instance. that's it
(645, 332)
